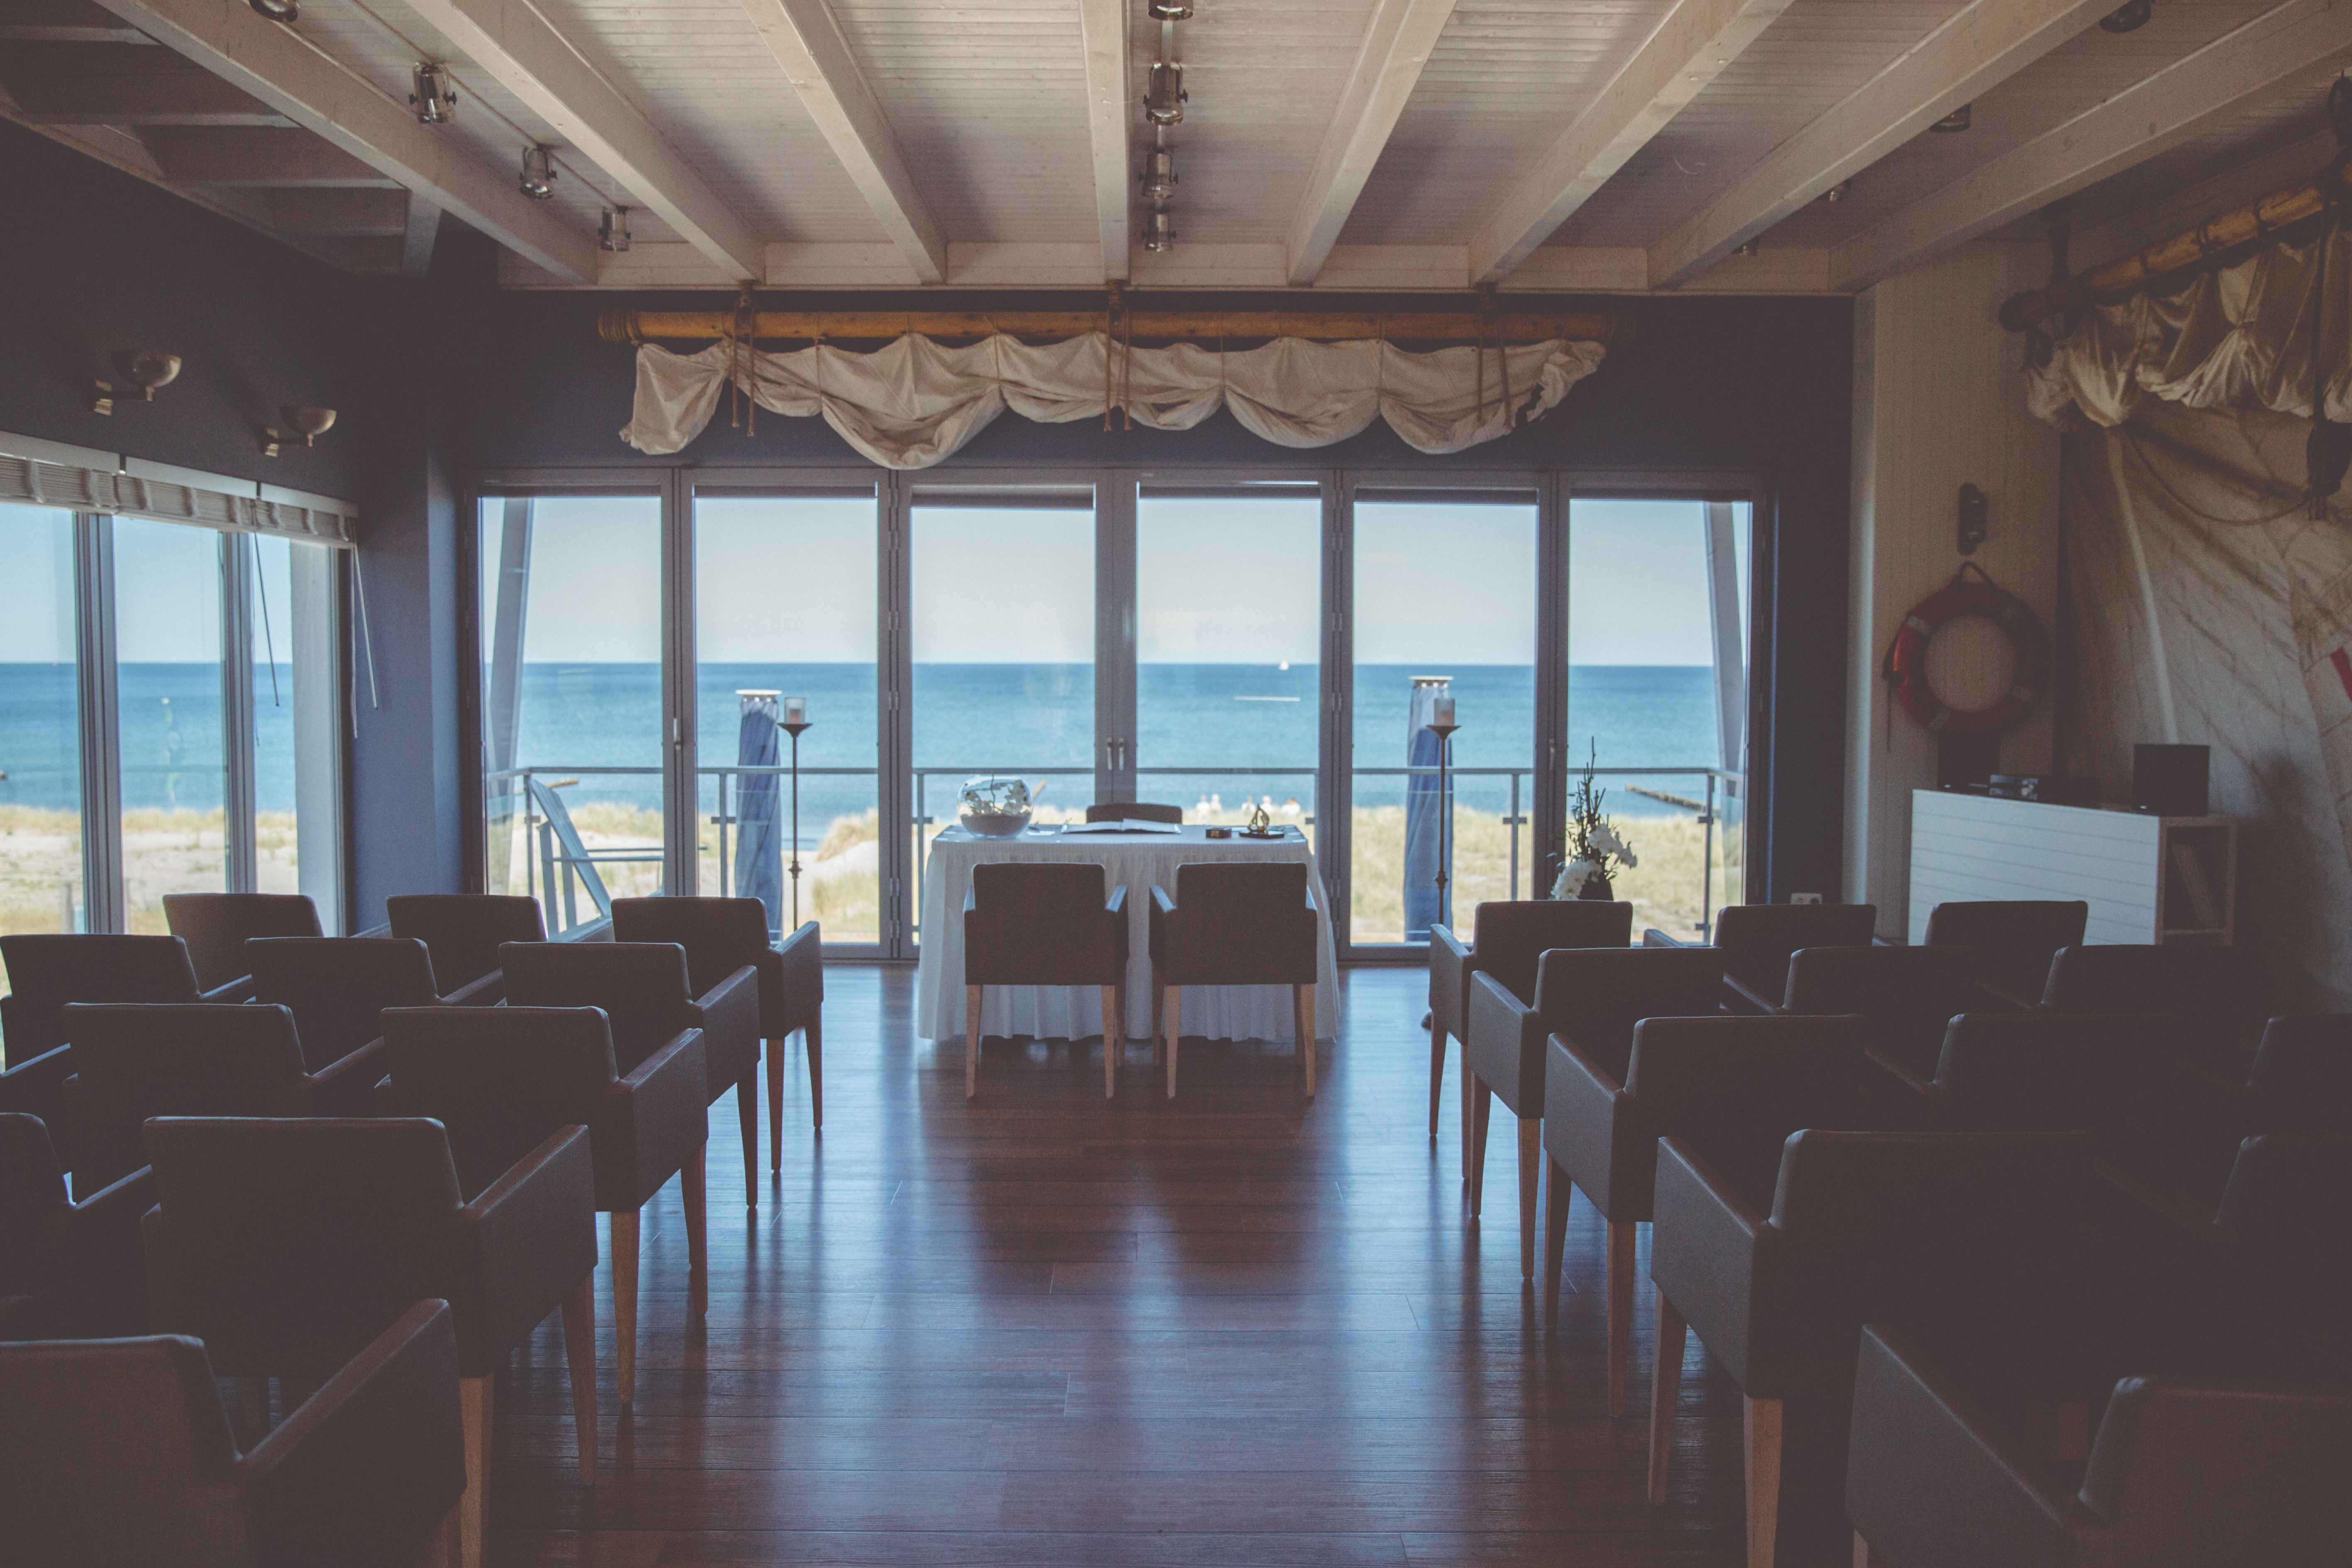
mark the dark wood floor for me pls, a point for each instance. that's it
(1241, 1328)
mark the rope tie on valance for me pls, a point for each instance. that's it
(2327, 452)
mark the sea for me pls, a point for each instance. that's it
(1205, 733)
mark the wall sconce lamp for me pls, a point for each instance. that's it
(143, 369)
(307, 424)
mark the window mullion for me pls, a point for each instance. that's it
(242, 860)
(101, 777)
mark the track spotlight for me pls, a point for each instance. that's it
(538, 180)
(613, 229)
(2128, 18)
(1168, 10)
(433, 94)
(1954, 123)
(1163, 99)
(1838, 191)
(1159, 231)
(286, 11)
(1748, 248)
(1159, 182)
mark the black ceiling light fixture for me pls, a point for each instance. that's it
(1954, 123)
(2128, 18)
(287, 11)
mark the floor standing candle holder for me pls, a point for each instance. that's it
(1445, 733)
(793, 727)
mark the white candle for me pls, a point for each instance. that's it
(1444, 708)
(795, 709)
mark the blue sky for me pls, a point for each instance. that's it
(166, 587)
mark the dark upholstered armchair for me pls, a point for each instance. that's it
(118, 1451)
(2013, 938)
(47, 971)
(131, 1062)
(722, 935)
(1235, 924)
(2183, 1473)
(2212, 989)
(288, 1246)
(1044, 923)
(647, 991)
(338, 986)
(77, 1265)
(1594, 995)
(1909, 993)
(1133, 811)
(216, 926)
(463, 932)
(1506, 940)
(1943, 1233)
(1756, 939)
(504, 1079)
(1733, 1089)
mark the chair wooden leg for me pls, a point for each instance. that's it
(1760, 1427)
(1558, 1192)
(1174, 1009)
(694, 1188)
(1863, 1557)
(580, 1356)
(1482, 1101)
(1531, 1157)
(814, 1032)
(970, 1041)
(1621, 1312)
(1302, 1012)
(1436, 1071)
(1111, 1032)
(776, 1050)
(1469, 1113)
(1666, 1392)
(747, 1114)
(624, 1303)
(439, 1548)
(1159, 1000)
(473, 1511)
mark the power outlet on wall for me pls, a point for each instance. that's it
(1804, 898)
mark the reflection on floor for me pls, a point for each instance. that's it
(1035, 1328)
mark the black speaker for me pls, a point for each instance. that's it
(2171, 781)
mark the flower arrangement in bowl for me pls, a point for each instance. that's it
(995, 807)
(1596, 852)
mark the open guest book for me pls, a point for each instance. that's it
(1131, 825)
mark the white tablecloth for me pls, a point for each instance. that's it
(1073, 1013)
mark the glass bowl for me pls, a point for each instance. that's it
(995, 807)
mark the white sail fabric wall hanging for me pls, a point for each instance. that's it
(914, 402)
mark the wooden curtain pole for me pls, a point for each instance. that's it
(2121, 279)
(625, 326)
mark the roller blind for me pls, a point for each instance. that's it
(40, 473)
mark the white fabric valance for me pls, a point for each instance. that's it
(76, 487)
(914, 402)
(2237, 338)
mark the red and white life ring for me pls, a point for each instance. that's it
(1906, 661)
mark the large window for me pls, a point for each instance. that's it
(168, 702)
(40, 746)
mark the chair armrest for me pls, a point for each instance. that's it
(1903, 1100)
(1653, 937)
(101, 1241)
(346, 1085)
(37, 1086)
(1451, 965)
(240, 989)
(1987, 997)
(1584, 1110)
(1705, 1242)
(1932, 1482)
(488, 990)
(1116, 903)
(663, 1119)
(795, 970)
(378, 1455)
(526, 1240)
(1162, 908)
(1746, 996)
(1504, 1041)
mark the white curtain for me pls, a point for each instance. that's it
(913, 402)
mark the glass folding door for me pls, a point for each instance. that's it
(1444, 613)
(1657, 694)
(1002, 649)
(785, 590)
(1228, 586)
(572, 633)
(40, 749)
(170, 690)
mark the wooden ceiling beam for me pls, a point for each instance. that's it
(1689, 48)
(287, 160)
(286, 70)
(1396, 46)
(142, 98)
(1978, 47)
(416, 237)
(332, 213)
(2303, 43)
(65, 22)
(513, 43)
(1102, 33)
(1150, 324)
(808, 44)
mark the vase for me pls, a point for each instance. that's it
(1596, 886)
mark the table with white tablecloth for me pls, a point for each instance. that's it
(1137, 861)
